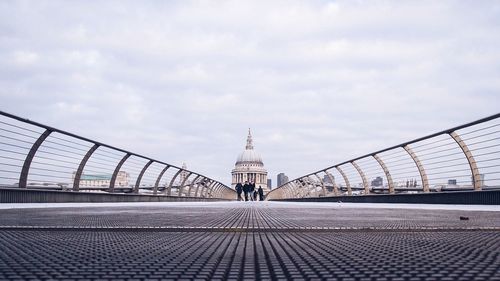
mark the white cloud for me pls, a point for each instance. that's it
(25, 58)
(319, 82)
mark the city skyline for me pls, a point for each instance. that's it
(319, 82)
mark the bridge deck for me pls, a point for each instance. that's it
(244, 240)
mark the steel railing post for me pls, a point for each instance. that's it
(79, 171)
(346, 180)
(420, 167)
(386, 171)
(115, 173)
(169, 188)
(323, 187)
(363, 177)
(181, 186)
(332, 180)
(192, 184)
(139, 178)
(157, 183)
(476, 177)
(23, 177)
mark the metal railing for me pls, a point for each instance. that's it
(465, 157)
(36, 156)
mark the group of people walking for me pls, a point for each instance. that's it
(249, 191)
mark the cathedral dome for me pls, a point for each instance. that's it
(249, 155)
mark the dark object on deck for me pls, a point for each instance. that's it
(464, 218)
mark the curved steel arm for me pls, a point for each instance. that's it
(201, 183)
(295, 189)
(192, 184)
(386, 171)
(420, 167)
(218, 189)
(363, 177)
(346, 180)
(182, 183)
(139, 178)
(323, 188)
(476, 178)
(204, 188)
(115, 173)
(304, 188)
(298, 189)
(157, 183)
(288, 190)
(169, 188)
(282, 192)
(23, 178)
(79, 171)
(332, 180)
(210, 190)
(215, 191)
(204, 191)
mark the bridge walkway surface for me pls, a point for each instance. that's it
(248, 240)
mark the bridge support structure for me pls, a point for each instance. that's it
(458, 159)
(53, 159)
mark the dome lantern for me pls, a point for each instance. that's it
(249, 141)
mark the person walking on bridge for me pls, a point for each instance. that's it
(239, 189)
(246, 189)
(252, 190)
(261, 193)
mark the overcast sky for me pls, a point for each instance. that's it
(319, 82)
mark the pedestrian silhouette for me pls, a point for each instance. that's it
(252, 190)
(261, 193)
(246, 189)
(239, 189)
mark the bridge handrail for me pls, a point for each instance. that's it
(301, 186)
(215, 188)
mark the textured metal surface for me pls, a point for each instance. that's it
(253, 240)
(264, 215)
(343, 256)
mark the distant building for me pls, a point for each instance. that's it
(103, 180)
(378, 181)
(328, 182)
(249, 167)
(269, 184)
(281, 179)
(411, 183)
(326, 179)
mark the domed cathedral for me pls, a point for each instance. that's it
(249, 167)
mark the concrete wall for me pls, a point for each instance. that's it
(489, 197)
(17, 195)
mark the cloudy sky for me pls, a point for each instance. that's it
(319, 82)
